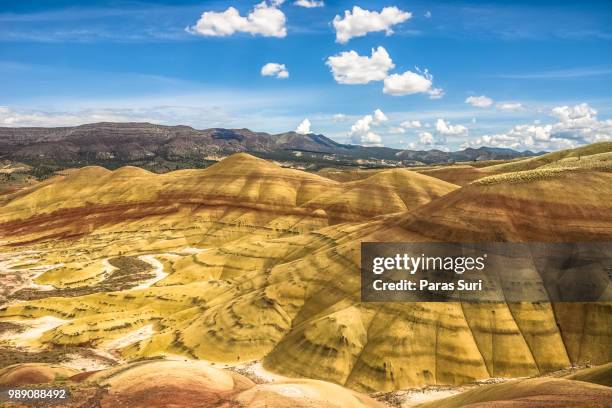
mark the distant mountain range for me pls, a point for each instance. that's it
(163, 148)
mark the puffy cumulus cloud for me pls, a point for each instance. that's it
(362, 125)
(276, 70)
(379, 116)
(410, 124)
(361, 132)
(410, 83)
(360, 22)
(266, 19)
(426, 138)
(577, 125)
(509, 106)
(367, 139)
(309, 3)
(571, 114)
(304, 127)
(519, 137)
(445, 128)
(427, 141)
(479, 101)
(351, 68)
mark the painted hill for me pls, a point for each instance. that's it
(601, 375)
(535, 392)
(165, 383)
(256, 265)
(249, 187)
(572, 157)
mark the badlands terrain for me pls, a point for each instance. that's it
(239, 285)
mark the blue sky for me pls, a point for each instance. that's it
(450, 74)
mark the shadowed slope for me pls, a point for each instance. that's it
(601, 375)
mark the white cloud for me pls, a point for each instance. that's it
(410, 124)
(509, 106)
(428, 14)
(396, 130)
(445, 128)
(348, 67)
(571, 114)
(436, 93)
(379, 116)
(479, 101)
(304, 127)
(265, 19)
(276, 70)
(361, 132)
(426, 138)
(368, 139)
(360, 22)
(429, 141)
(410, 83)
(21, 118)
(577, 125)
(309, 3)
(339, 117)
(362, 125)
(351, 68)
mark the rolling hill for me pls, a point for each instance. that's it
(262, 263)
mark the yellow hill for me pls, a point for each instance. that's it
(240, 190)
(456, 174)
(264, 289)
(383, 192)
(535, 392)
(546, 159)
(601, 375)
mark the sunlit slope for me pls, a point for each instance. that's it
(240, 190)
(459, 174)
(383, 192)
(569, 155)
(456, 174)
(294, 300)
